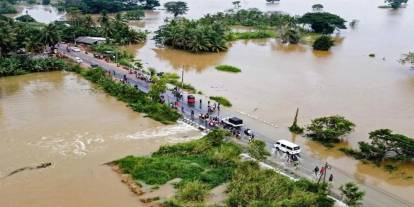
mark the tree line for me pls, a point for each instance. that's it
(383, 145)
(212, 32)
(111, 6)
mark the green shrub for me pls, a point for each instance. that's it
(328, 130)
(222, 100)
(323, 43)
(193, 191)
(228, 68)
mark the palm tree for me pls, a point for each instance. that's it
(49, 36)
(7, 38)
(107, 32)
(104, 19)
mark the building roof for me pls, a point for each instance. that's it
(90, 40)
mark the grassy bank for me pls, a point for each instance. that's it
(137, 100)
(222, 100)
(228, 68)
(232, 36)
(209, 162)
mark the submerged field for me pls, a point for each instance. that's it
(209, 162)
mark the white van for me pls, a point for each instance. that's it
(287, 147)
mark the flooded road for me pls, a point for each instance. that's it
(61, 118)
(276, 79)
(374, 93)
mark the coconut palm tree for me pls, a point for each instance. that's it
(49, 37)
(7, 37)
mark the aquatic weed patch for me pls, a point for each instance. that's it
(228, 68)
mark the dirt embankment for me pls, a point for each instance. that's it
(150, 196)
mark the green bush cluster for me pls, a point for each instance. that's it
(252, 186)
(323, 43)
(6, 7)
(208, 160)
(114, 53)
(250, 17)
(328, 130)
(19, 65)
(111, 6)
(384, 145)
(192, 35)
(228, 68)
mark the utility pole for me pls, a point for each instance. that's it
(182, 78)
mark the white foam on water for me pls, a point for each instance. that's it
(67, 144)
(180, 129)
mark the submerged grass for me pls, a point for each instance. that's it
(228, 68)
(222, 100)
(209, 162)
(232, 36)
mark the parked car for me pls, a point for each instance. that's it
(233, 122)
(191, 100)
(78, 60)
(287, 147)
(94, 65)
(75, 49)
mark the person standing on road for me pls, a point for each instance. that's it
(182, 109)
(322, 171)
(208, 103)
(192, 114)
(331, 178)
(316, 170)
(201, 103)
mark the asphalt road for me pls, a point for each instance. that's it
(374, 197)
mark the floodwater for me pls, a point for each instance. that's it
(42, 13)
(61, 118)
(276, 79)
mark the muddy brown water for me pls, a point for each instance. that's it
(276, 79)
(61, 118)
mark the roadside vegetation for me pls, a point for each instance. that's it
(353, 196)
(222, 100)
(209, 162)
(228, 68)
(115, 30)
(137, 100)
(115, 54)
